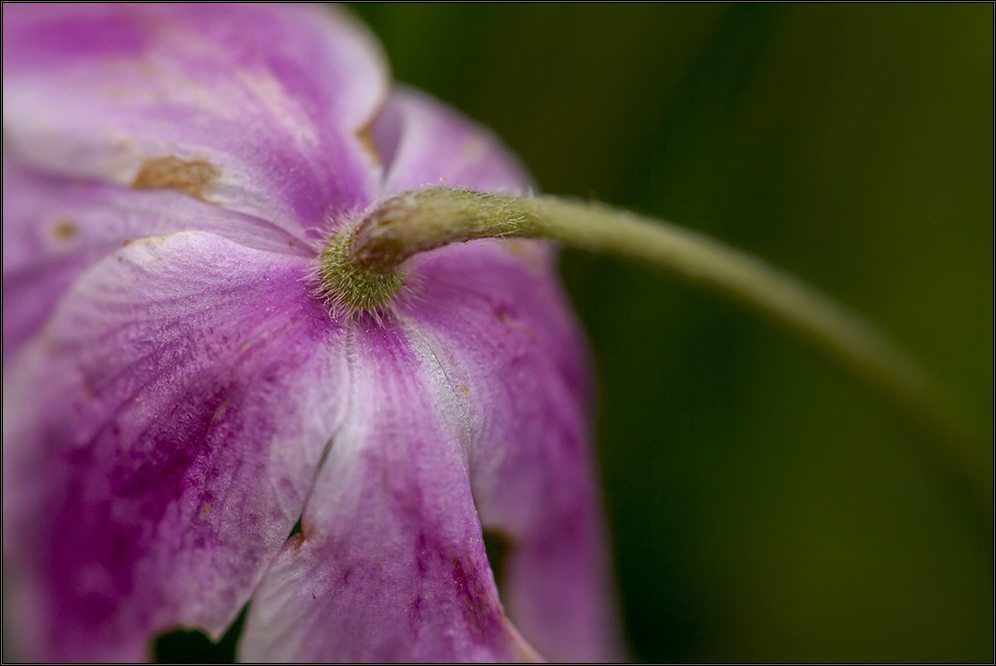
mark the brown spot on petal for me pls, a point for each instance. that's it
(64, 229)
(150, 240)
(528, 251)
(508, 319)
(466, 389)
(194, 177)
(366, 138)
(219, 411)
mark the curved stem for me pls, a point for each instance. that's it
(424, 219)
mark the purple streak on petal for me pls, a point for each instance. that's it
(423, 142)
(259, 109)
(160, 439)
(54, 228)
(390, 565)
(505, 334)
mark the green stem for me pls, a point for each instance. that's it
(423, 219)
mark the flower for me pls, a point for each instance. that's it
(178, 395)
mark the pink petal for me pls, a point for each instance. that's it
(160, 438)
(255, 108)
(54, 228)
(390, 565)
(424, 142)
(509, 344)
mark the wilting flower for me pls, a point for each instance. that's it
(179, 395)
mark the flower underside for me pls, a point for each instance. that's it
(184, 378)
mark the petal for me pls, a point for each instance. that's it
(491, 311)
(423, 142)
(505, 334)
(160, 438)
(54, 228)
(261, 109)
(390, 564)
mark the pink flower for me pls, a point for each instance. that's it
(178, 395)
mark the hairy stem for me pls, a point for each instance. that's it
(421, 220)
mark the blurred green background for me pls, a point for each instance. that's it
(762, 505)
